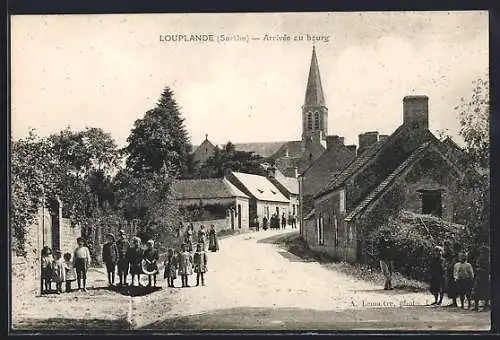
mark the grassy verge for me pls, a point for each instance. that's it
(296, 245)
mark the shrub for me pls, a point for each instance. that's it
(408, 240)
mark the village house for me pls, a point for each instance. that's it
(203, 152)
(213, 201)
(265, 198)
(410, 169)
(289, 187)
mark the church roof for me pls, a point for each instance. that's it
(260, 187)
(314, 90)
(294, 149)
(205, 189)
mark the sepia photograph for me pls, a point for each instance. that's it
(287, 171)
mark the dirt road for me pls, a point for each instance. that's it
(252, 283)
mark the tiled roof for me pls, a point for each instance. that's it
(260, 187)
(388, 181)
(205, 189)
(291, 184)
(358, 162)
(263, 149)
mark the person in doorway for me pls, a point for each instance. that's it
(450, 259)
(213, 243)
(151, 258)
(123, 265)
(264, 223)
(81, 262)
(437, 275)
(283, 221)
(185, 265)
(463, 275)
(170, 268)
(482, 281)
(70, 271)
(46, 272)
(135, 256)
(200, 264)
(110, 257)
(59, 271)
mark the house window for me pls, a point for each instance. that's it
(321, 240)
(309, 121)
(432, 202)
(316, 120)
(342, 201)
(336, 231)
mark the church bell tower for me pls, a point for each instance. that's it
(314, 111)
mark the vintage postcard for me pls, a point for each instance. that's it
(323, 171)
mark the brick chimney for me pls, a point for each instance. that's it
(366, 140)
(382, 137)
(341, 140)
(271, 172)
(416, 111)
(331, 141)
(352, 148)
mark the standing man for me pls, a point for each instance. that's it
(264, 222)
(256, 222)
(294, 221)
(123, 263)
(283, 221)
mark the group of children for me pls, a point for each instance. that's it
(65, 269)
(454, 275)
(185, 263)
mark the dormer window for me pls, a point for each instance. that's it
(274, 192)
(260, 190)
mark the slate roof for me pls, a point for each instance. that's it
(358, 162)
(314, 90)
(260, 187)
(291, 184)
(294, 149)
(387, 181)
(205, 189)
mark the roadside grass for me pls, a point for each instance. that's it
(294, 244)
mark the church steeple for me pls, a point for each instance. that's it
(314, 90)
(314, 110)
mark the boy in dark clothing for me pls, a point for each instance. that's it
(200, 264)
(110, 257)
(122, 245)
(437, 276)
(482, 282)
(135, 256)
(283, 221)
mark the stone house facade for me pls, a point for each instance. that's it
(410, 169)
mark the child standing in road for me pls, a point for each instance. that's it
(81, 262)
(185, 265)
(170, 268)
(151, 258)
(135, 256)
(110, 257)
(123, 265)
(463, 275)
(59, 271)
(46, 263)
(70, 271)
(200, 264)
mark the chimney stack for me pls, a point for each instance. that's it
(366, 140)
(341, 140)
(416, 111)
(352, 148)
(331, 141)
(271, 172)
(382, 137)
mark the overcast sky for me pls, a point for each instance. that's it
(107, 70)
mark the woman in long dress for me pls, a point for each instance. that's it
(202, 236)
(213, 243)
(188, 238)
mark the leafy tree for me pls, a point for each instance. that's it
(474, 113)
(160, 137)
(228, 158)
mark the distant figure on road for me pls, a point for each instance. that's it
(437, 276)
(188, 237)
(110, 257)
(283, 221)
(202, 236)
(123, 265)
(213, 243)
(264, 223)
(135, 256)
(185, 265)
(170, 268)
(200, 264)
(294, 222)
(81, 262)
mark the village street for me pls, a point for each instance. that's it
(252, 283)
